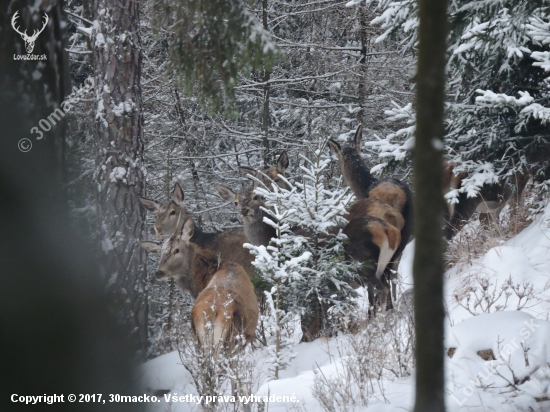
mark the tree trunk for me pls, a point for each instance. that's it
(57, 337)
(428, 174)
(362, 87)
(120, 173)
(265, 111)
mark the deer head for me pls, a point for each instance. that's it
(272, 174)
(354, 171)
(185, 262)
(29, 40)
(167, 215)
(247, 203)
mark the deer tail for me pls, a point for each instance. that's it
(222, 325)
(388, 246)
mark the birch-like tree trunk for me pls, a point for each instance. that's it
(428, 174)
(120, 173)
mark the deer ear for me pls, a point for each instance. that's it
(177, 195)
(226, 194)
(335, 147)
(187, 230)
(245, 170)
(150, 246)
(357, 139)
(282, 162)
(150, 205)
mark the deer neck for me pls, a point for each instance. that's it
(257, 232)
(358, 175)
(203, 266)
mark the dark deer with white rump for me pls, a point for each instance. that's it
(372, 240)
(364, 185)
(488, 203)
(227, 245)
(225, 304)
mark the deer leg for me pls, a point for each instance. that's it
(372, 304)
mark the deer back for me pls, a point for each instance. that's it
(226, 308)
(376, 208)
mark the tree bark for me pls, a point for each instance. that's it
(428, 265)
(57, 336)
(267, 90)
(120, 172)
(362, 87)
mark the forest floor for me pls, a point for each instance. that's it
(497, 342)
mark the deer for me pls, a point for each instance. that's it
(227, 245)
(364, 185)
(248, 203)
(272, 174)
(376, 208)
(29, 40)
(488, 203)
(225, 302)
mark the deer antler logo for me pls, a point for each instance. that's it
(29, 40)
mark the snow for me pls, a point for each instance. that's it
(516, 379)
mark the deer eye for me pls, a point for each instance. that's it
(256, 197)
(176, 251)
(172, 213)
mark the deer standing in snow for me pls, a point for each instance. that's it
(364, 185)
(225, 303)
(384, 207)
(488, 203)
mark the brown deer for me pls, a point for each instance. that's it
(227, 245)
(488, 203)
(376, 208)
(249, 204)
(364, 185)
(224, 295)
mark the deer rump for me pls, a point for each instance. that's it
(372, 240)
(398, 195)
(226, 308)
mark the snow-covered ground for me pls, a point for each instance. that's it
(499, 356)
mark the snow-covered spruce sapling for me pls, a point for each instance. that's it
(305, 262)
